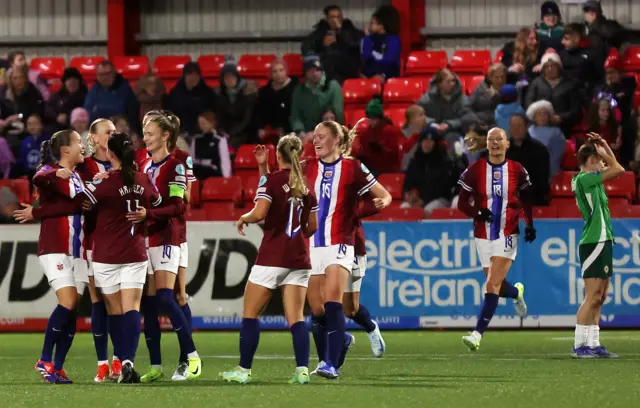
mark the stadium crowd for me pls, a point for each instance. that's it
(551, 86)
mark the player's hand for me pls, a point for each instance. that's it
(64, 174)
(101, 176)
(137, 216)
(25, 214)
(240, 226)
(87, 206)
(484, 215)
(529, 234)
(261, 153)
(379, 203)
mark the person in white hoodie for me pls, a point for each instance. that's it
(540, 114)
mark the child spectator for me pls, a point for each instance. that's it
(209, 150)
(508, 106)
(604, 118)
(550, 30)
(29, 159)
(540, 114)
(381, 47)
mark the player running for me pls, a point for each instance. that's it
(494, 191)
(595, 248)
(168, 175)
(289, 210)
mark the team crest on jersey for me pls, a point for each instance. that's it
(496, 175)
(328, 174)
(606, 269)
(180, 170)
(364, 168)
(60, 266)
(97, 181)
(189, 162)
(263, 181)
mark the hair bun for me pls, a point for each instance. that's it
(126, 143)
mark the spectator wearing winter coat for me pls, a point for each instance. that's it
(522, 58)
(550, 30)
(430, 178)
(111, 95)
(235, 103)
(561, 92)
(415, 121)
(485, 98)
(580, 61)
(445, 105)
(541, 129)
(312, 97)
(29, 158)
(337, 41)
(190, 97)
(209, 150)
(72, 95)
(149, 95)
(603, 33)
(17, 59)
(533, 156)
(6, 158)
(80, 123)
(381, 47)
(273, 108)
(507, 107)
(378, 146)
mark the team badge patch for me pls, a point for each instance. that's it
(189, 162)
(328, 174)
(496, 175)
(263, 181)
(606, 269)
(364, 168)
(97, 181)
(60, 266)
(180, 170)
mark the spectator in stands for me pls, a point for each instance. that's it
(603, 118)
(111, 95)
(580, 61)
(445, 104)
(533, 156)
(541, 129)
(4, 66)
(378, 146)
(430, 177)
(550, 30)
(8, 204)
(149, 95)
(486, 97)
(235, 103)
(29, 158)
(273, 108)
(381, 47)
(26, 100)
(311, 98)
(328, 115)
(337, 41)
(522, 58)
(190, 97)
(561, 92)
(415, 121)
(507, 107)
(6, 158)
(621, 88)
(11, 125)
(209, 150)
(80, 123)
(603, 33)
(18, 60)
(70, 96)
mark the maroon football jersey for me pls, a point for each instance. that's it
(186, 159)
(283, 244)
(87, 170)
(116, 240)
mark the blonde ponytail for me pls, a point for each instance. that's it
(290, 148)
(349, 137)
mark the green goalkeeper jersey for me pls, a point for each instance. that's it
(593, 203)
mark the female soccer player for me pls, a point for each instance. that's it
(595, 249)
(168, 175)
(60, 239)
(493, 192)
(289, 211)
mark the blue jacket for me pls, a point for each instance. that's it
(105, 103)
(30, 152)
(554, 141)
(504, 112)
(381, 54)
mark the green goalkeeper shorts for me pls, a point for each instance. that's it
(596, 260)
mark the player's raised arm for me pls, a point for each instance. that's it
(614, 169)
(262, 157)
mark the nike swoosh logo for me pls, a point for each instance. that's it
(331, 332)
(197, 371)
(54, 329)
(163, 262)
(98, 335)
(179, 328)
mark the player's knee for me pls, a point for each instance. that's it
(70, 302)
(165, 297)
(317, 310)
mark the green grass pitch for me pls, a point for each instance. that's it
(421, 369)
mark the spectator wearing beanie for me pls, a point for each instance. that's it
(603, 33)
(507, 107)
(235, 103)
(563, 94)
(486, 97)
(273, 108)
(379, 145)
(550, 29)
(580, 61)
(150, 95)
(70, 96)
(312, 97)
(381, 47)
(542, 130)
(111, 95)
(190, 97)
(533, 156)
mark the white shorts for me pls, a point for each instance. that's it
(357, 273)
(89, 258)
(184, 256)
(110, 278)
(504, 247)
(165, 258)
(322, 257)
(60, 270)
(272, 277)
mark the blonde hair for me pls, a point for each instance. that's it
(93, 129)
(290, 148)
(345, 135)
(476, 139)
(498, 66)
(167, 121)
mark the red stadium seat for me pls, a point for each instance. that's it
(132, 67)
(393, 183)
(196, 214)
(87, 67)
(561, 184)
(447, 214)
(471, 83)
(194, 199)
(20, 188)
(626, 211)
(471, 62)
(545, 212)
(222, 189)
(359, 92)
(250, 185)
(615, 202)
(308, 152)
(352, 116)
(398, 214)
(255, 66)
(567, 207)
(624, 186)
(631, 58)
(169, 84)
(220, 211)
(420, 63)
(49, 67)
(294, 63)
(397, 115)
(212, 82)
(498, 57)
(170, 66)
(245, 164)
(402, 91)
(569, 159)
(211, 65)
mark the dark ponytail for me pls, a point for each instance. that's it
(45, 155)
(120, 145)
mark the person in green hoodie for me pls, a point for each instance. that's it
(312, 97)
(551, 29)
